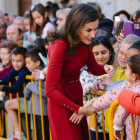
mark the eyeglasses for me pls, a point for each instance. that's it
(121, 54)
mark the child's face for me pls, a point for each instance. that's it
(18, 61)
(122, 55)
(27, 24)
(102, 54)
(38, 18)
(31, 65)
(129, 75)
(5, 56)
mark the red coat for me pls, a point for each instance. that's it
(64, 89)
(131, 102)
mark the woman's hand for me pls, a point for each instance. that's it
(87, 109)
(76, 118)
(109, 69)
(107, 81)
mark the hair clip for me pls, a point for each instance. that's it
(32, 7)
(44, 59)
(101, 36)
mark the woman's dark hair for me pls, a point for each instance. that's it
(119, 27)
(27, 16)
(101, 32)
(98, 9)
(41, 9)
(134, 64)
(40, 42)
(76, 19)
(34, 55)
(137, 15)
(105, 42)
(122, 12)
(136, 46)
(19, 50)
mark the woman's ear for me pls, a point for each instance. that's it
(46, 14)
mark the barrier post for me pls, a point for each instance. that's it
(34, 121)
(111, 117)
(41, 109)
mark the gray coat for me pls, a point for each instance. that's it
(34, 87)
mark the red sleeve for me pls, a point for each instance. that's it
(93, 66)
(130, 101)
(57, 58)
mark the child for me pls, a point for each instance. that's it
(39, 15)
(133, 84)
(33, 61)
(19, 69)
(105, 100)
(29, 36)
(104, 54)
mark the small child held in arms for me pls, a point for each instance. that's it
(33, 61)
(19, 69)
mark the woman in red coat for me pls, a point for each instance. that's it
(68, 53)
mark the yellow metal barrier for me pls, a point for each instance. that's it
(93, 119)
(111, 114)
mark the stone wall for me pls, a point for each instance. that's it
(109, 7)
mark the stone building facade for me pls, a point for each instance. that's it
(109, 7)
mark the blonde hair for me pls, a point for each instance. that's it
(130, 39)
(63, 11)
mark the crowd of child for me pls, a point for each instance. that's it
(24, 44)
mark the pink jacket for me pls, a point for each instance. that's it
(107, 99)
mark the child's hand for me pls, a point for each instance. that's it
(107, 81)
(117, 134)
(76, 118)
(95, 86)
(30, 40)
(28, 85)
(36, 74)
(109, 69)
(1, 87)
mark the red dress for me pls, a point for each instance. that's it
(64, 89)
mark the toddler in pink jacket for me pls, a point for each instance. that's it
(132, 83)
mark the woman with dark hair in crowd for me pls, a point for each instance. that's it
(69, 51)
